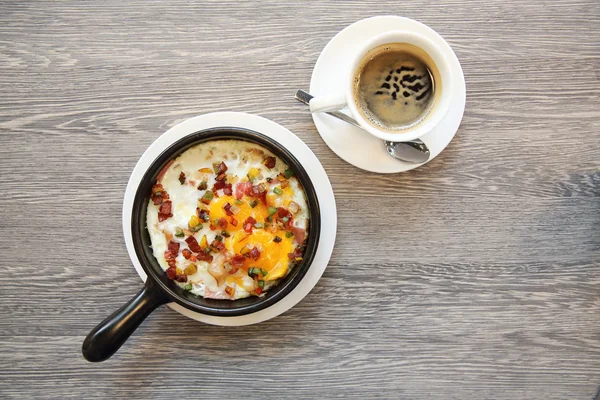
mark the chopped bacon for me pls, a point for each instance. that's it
(220, 168)
(227, 208)
(171, 272)
(158, 194)
(229, 290)
(174, 247)
(237, 260)
(203, 256)
(258, 190)
(157, 200)
(282, 213)
(242, 189)
(249, 224)
(204, 215)
(192, 258)
(181, 278)
(233, 221)
(269, 162)
(163, 171)
(182, 177)
(222, 223)
(219, 185)
(169, 255)
(164, 217)
(221, 177)
(193, 244)
(254, 253)
(299, 235)
(217, 246)
(165, 208)
(186, 253)
(157, 189)
(227, 190)
(296, 254)
(172, 251)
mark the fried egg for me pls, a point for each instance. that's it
(227, 219)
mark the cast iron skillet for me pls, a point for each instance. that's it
(106, 338)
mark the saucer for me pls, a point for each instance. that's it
(354, 145)
(306, 157)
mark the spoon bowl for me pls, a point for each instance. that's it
(414, 151)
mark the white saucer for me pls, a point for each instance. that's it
(354, 145)
(306, 157)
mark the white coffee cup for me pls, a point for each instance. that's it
(443, 89)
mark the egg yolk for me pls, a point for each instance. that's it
(259, 213)
(273, 256)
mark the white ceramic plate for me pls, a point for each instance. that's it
(354, 145)
(308, 160)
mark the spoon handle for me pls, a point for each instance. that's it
(305, 97)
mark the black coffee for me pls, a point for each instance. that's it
(394, 86)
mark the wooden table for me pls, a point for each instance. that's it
(474, 277)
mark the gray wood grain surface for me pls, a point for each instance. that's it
(474, 277)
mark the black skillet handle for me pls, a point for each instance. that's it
(106, 338)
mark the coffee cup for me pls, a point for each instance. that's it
(398, 86)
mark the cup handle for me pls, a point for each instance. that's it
(327, 103)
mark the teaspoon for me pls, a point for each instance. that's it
(414, 151)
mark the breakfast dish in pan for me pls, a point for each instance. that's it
(227, 219)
